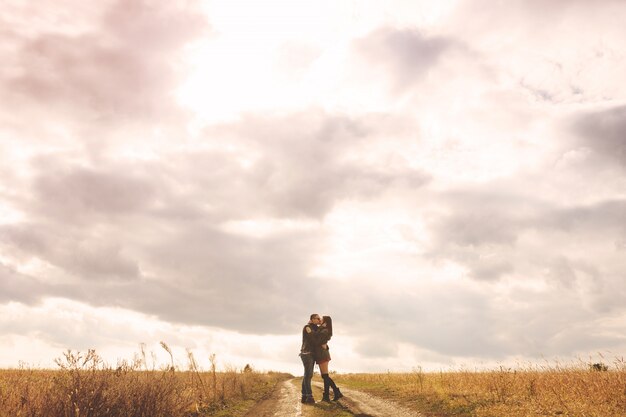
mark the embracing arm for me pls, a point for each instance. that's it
(323, 336)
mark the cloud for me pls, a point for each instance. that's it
(476, 212)
(604, 217)
(192, 276)
(495, 234)
(524, 246)
(603, 133)
(121, 68)
(76, 191)
(374, 347)
(559, 52)
(404, 55)
(449, 319)
(150, 235)
(303, 163)
(19, 287)
(84, 256)
(98, 76)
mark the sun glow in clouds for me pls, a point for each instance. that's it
(283, 54)
(238, 69)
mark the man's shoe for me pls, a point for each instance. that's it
(337, 395)
(309, 400)
(326, 398)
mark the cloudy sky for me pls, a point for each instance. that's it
(446, 179)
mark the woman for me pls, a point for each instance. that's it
(322, 357)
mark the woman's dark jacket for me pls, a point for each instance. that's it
(321, 354)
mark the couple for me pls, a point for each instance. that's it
(315, 335)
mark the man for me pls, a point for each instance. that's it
(309, 343)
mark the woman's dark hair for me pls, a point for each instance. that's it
(329, 324)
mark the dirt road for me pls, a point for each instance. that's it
(365, 405)
(285, 402)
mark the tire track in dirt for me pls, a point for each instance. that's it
(284, 402)
(289, 404)
(365, 405)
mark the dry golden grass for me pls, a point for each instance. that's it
(85, 387)
(550, 390)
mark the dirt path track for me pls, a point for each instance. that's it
(365, 405)
(285, 402)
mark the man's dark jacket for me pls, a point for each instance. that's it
(309, 338)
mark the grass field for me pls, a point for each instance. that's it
(84, 386)
(550, 390)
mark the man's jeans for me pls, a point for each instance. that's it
(309, 366)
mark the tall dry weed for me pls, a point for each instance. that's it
(84, 386)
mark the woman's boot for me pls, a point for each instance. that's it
(336, 393)
(326, 395)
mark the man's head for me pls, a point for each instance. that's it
(315, 318)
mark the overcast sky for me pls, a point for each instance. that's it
(446, 179)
